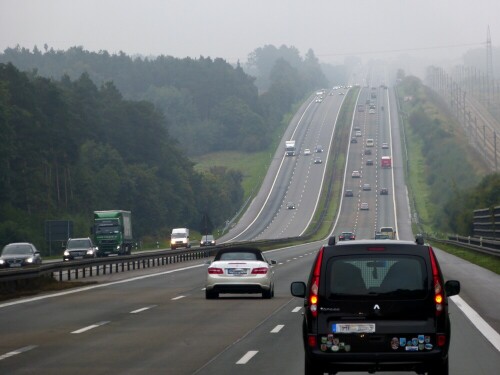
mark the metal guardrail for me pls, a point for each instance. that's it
(481, 245)
(85, 268)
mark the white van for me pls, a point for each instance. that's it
(370, 142)
(180, 238)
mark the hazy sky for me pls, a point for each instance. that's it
(231, 29)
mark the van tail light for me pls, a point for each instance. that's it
(312, 341)
(436, 282)
(215, 271)
(259, 271)
(441, 340)
(313, 293)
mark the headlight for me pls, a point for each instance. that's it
(117, 247)
(2, 261)
(30, 260)
(66, 253)
(90, 252)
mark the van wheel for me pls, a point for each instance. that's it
(439, 368)
(311, 368)
(268, 294)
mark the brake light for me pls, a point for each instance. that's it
(259, 271)
(215, 271)
(313, 293)
(312, 341)
(438, 289)
(376, 248)
(441, 340)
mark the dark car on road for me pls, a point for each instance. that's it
(79, 248)
(207, 240)
(19, 254)
(376, 305)
(384, 191)
(348, 193)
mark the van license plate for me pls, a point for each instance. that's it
(353, 328)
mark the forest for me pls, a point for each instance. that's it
(83, 131)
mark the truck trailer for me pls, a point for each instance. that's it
(112, 232)
(290, 148)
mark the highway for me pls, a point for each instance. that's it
(157, 321)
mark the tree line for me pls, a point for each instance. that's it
(69, 147)
(209, 104)
(457, 183)
(83, 131)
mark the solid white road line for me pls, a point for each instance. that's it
(16, 352)
(85, 329)
(297, 309)
(143, 309)
(247, 357)
(483, 327)
(278, 328)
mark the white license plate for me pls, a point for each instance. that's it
(353, 328)
(236, 271)
(15, 265)
(79, 257)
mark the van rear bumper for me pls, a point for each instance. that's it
(418, 361)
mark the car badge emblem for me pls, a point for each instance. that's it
(376, 307)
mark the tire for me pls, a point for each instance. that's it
(440, 368)
(211, 294)
(311, 368)
(268, 294)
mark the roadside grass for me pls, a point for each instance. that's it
(416, 175)
(253, 166)
(489, 262)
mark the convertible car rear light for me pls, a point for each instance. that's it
(215, 271)
(259, 271)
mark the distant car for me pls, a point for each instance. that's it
(347, 236)
(381, 236)
(307, 152)
(317, 161)
(364, 206)
(369, 162)
(348, 193)
(290, 206)
(79, 248)
(368, 151)
(367, 187)
(358, 133)
(341, 93)
(354, 140)
(208, 240)
(371, 111)
(240, 270)
(19, 254)
(385, 145)
(357, 127)
(318, 149)
(356, 174)
(384, 191)
(318, 100)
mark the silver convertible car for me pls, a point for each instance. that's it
(240, 270)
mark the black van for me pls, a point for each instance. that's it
(375, 305)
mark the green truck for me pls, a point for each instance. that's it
(112, 232)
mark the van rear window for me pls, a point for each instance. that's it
(377, 275)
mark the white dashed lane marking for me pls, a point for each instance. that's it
(16, 352)
(142, 309)
(278, 328)
(85, 329)
(297, 309)
(247, 357)
(178, 297)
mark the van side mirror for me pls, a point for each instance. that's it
(331, 241)
(298, 289)
(452, 287)
(419, 239)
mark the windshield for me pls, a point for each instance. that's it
(78, 244)
(106, 229)
(239, 255)
(17, 249)
(179, 235)
(376, 275)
